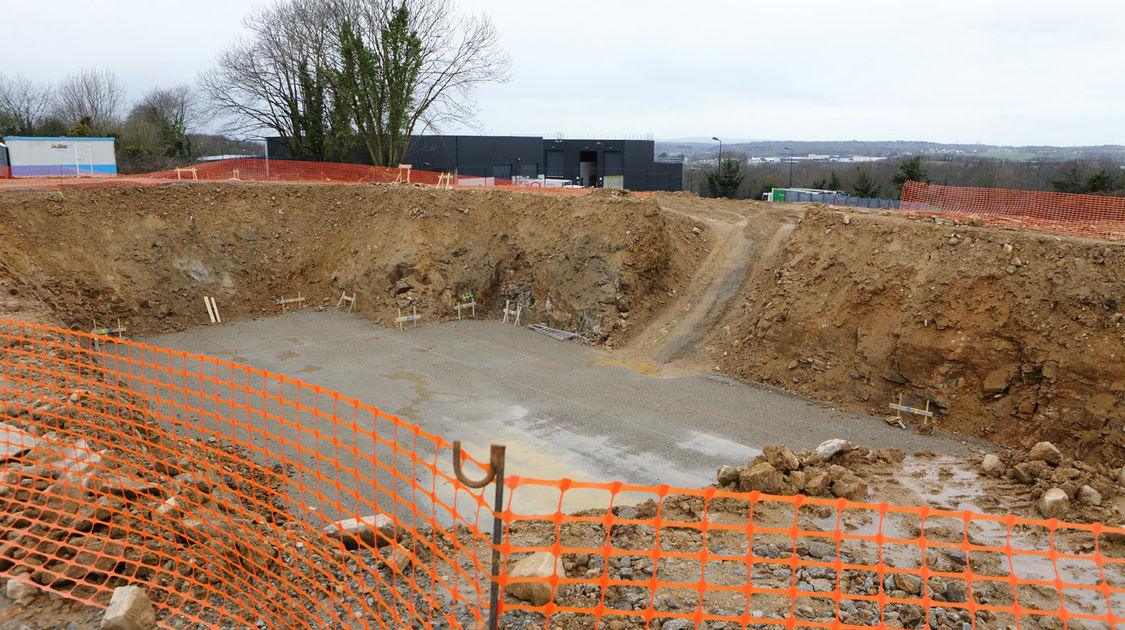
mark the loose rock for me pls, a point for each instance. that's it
(20, 591)
(992, 465)
(129, 609)
(353, 530)
(1089, 496)
(539, 566)
(1053, 504)
(763, 477)
(1045, 452)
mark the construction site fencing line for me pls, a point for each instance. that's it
(1064, 213)
(225, 491)
(284, 171)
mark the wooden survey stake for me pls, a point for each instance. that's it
(285, 302)
(927, 415)
(461, 307)
(105, 332)
(509, 312)
(400, 320)
(350, 301)
(212, 309)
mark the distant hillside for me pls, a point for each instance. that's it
(888, 149)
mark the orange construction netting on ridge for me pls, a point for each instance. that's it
(1081, 215)
(217, 487)
(290, 171)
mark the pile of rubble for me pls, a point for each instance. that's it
(823, 472)
(1039, 483)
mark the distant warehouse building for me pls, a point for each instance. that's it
(620, 164)
(60, 157)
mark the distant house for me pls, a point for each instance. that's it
(60, 157)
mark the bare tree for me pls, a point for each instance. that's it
(261, 82)
(97, 94)
(176, 105)
(24, 103)
(428, 58)
(285, 75)
(159, 122)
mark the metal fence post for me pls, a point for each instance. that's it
(495, 473)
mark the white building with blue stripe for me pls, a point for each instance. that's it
(61, 157)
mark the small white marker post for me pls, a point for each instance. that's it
(460, 307)
(350, 301)
(400, 320)
(925, 413)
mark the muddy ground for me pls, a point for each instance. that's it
(1012, 336)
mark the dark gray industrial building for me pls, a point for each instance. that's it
(628, 164)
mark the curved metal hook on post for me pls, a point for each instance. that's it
(495, 466)
(495, 473)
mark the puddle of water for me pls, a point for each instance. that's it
(421, 350)
(288, 354)
(310, 369)
(943, 482)
(296, 340)
(238, 359)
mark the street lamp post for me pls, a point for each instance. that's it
(720, 167)
(790, 166)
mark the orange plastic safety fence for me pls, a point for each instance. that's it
(217, 486)
(1082, 215)
(291, 171)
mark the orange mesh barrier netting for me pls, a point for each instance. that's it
(1082, 215)
(290, 171)
(216, 487)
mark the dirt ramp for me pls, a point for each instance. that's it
(148, 255)
(1013, 336)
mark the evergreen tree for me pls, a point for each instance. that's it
(1071, 181)
(834, 182)
(864, 185)
(726, 181)
(910, 171)
(1100, 182)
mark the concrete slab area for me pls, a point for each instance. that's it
(560, 414)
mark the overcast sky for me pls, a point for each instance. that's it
(992, 71)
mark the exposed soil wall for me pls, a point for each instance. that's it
(147, 256)
(1013, 336)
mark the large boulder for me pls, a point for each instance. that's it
(129, 609)
(762, 477)
(537, 569)
(829, 449)
(1053, 504)
(352, 531)
(1045, 452)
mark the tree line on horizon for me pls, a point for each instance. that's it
(884, 179)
